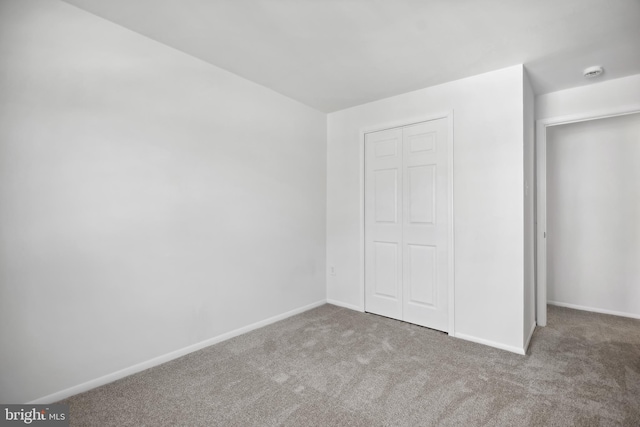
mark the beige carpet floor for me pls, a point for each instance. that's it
(336, 367)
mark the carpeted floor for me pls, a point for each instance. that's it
(336, 367)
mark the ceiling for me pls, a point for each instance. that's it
(335, 54)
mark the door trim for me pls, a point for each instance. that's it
(541, 193)
(451, 240)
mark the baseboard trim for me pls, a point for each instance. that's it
(490, 343)
(106, 379)
(526, 345)
(594, 310)
(345, 305)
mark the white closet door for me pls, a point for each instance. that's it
(383, 223)
(425, 224)
(406, 223)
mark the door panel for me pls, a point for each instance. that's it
(383, 226)
(421, 279)
(385, 188)
(425, 141)
(406, 223)
(422, 192)
(388, 147)
(425, 224)
(386, 260)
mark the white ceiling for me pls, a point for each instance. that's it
(334, 54)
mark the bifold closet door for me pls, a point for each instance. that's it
(383, 223)
(406, 223)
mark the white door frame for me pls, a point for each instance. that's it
(541, 193)
(450, 250)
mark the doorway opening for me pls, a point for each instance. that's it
(584, 189)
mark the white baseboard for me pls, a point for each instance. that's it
(345, 305)
(501, 346)
(595, 310)
(526, 345)
(106, 379)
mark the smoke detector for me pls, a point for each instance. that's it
(592, 72)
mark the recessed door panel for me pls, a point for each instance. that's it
(422, 193)
(386, 269)
(422, 275)
(386, 147)
(422, 142)
(385, 195)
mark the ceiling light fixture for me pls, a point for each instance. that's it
(592, 72)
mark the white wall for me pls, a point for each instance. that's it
(529, 211)
(488, 185)
(611, 94)
(148, 200)
(593, 206)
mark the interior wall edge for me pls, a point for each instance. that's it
(529, 295)
(345, 305)
(526, 344)
(512, 349)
